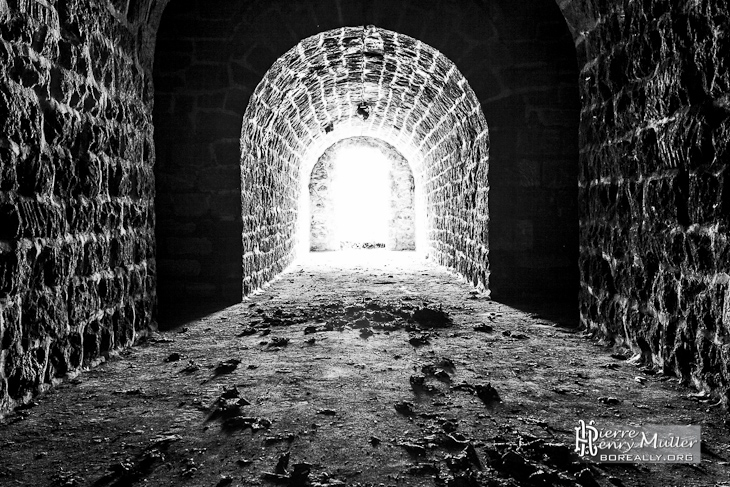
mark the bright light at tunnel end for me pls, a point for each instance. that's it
(361, 194)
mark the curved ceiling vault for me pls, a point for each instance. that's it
(362, 81)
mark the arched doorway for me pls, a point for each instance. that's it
(361, 195)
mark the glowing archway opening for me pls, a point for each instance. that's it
(361, 197)
(361, 192)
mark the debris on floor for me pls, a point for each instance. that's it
(190, 367)
(419, 387)
(173, 357)
(486, 393)
(404, 407)
(327, 412)
(278, 342)
(431, 318)
(609, 400)
(226, 366)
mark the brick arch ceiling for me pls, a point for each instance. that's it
(364, 81)
(370, 82)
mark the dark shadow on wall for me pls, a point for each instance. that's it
(179, 313)
(533, 173)
(198, 202)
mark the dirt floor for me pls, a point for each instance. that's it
(361, 368)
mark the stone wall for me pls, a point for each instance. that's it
(199, 105)
(76, 188)
(402, 225)
(322, 205)
(655, 184)
(457, 194)
(517, 57)
(401, 204)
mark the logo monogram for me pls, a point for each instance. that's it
(585, 435)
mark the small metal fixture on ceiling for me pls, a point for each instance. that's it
(363, 110)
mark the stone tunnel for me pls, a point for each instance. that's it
(404, 80)
(159, 157)
(375, 83)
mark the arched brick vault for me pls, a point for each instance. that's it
(370, 82)
(519, 63)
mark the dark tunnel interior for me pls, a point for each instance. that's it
(550, 239)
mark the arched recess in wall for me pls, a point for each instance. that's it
(364, 81)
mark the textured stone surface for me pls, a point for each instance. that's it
(654, 189)
(76, 188)
(402, 227)
(401, 203)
